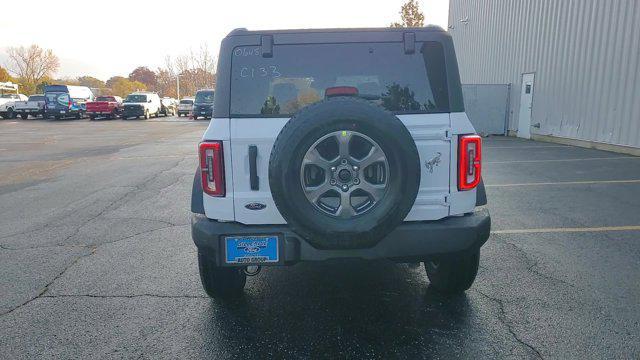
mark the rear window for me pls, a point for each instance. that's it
(56, 88)
(135, 98)
(204, 97)
(36, 98)
(187, 102)
(298, 75)
(105, 98)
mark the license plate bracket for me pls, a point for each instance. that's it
(251, 250)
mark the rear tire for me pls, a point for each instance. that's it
(24, 116)
(92, 117)
(453, 274)
(146, 115)
(220, 282)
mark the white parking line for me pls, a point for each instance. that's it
(560, 160)
(568, 183)
(568, 230)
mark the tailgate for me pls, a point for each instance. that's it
(98, 106)
(431, 132)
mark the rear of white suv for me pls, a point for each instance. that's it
(362, 150)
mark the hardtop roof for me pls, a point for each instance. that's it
(244, 31)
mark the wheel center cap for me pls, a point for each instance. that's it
(344, 175)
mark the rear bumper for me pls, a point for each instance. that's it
(61, 112)
(409, 242)
(133, 111)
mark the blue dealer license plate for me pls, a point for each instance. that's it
(251, 249)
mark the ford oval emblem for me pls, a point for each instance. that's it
(255, 206)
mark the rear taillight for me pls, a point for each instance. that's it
(212, 166)
(469, 161)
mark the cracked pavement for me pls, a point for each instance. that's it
(97, 261)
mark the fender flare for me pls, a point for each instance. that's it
(197, 204)
(481, 194)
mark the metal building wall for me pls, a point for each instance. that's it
(585, 55)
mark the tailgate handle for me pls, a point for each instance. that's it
(253, 171)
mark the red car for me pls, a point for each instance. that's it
(107, 106)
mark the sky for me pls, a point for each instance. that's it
(113, 37)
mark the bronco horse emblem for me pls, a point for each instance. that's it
(435, 161)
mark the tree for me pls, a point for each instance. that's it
(90, 81)
(196, 70)
(166, 83)
(4, 75)
(144, 75)
(121, 86)
(410, 15)
(31, 64)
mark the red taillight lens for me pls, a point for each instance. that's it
(212, 167)
(469, 161)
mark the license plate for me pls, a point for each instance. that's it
(62, 111)
(203, 112)
(251, 249)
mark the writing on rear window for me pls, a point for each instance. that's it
(262, 71)
(299, 75)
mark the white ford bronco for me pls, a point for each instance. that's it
(338, 143)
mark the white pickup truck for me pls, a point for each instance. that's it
(7, 104)
(34, 106)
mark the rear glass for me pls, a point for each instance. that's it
(188, 102)
(56, 88)
(105, 98)
(36, 98)
(298, 75)
(204, 97)
(57, 97)
(134, 98)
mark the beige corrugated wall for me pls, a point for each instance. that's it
(585, 55)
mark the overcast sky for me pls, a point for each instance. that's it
(107, 38)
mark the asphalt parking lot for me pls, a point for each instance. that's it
(97, 260)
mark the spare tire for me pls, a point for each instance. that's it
(344, 173)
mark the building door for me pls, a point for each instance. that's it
(526, 101)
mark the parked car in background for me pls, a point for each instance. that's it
(185, 107)
(203, 104)
(34, 106)
(62, 101)
(107, 106)
(141, 103)
(7, 104)
(169, 106)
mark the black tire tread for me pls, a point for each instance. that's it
(220, 282)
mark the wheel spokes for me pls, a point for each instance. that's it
(345, 210)
(314, 193)
(376, 191)
(375, 155)
(313, 157)
(344, 137)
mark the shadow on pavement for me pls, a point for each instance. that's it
(344, 309)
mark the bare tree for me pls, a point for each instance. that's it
(195, 69)
(410, 15)
(32, 64)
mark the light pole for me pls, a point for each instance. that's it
(178, 86)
